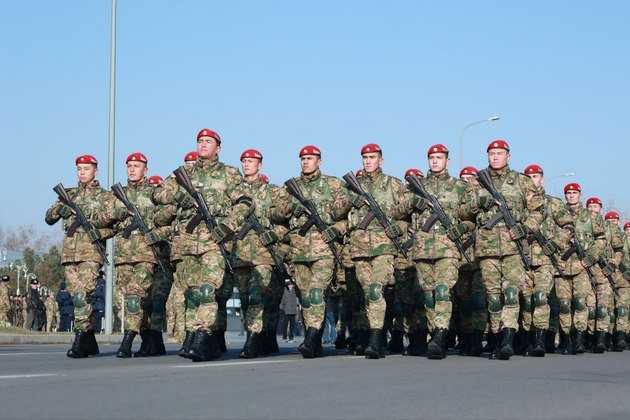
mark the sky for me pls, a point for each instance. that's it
(279, 75)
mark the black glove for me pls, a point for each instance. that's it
(550, 248)
(221, 233)
(485, 202)
(330, 234)
(184, 200)
(269, 237)
(393, 231)
(417, 203)
(64, 211)
(519, 231)
(455, 232)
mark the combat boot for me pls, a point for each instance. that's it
(220, 338)
(550, 341)
(491, 342)
(190, 336)
(145, 344)
(619, 341)
(204, 348)
(362, 342)
(476, 344)
(600, 342)
(311, 347)
(465, 344)
(507, 349)
(78, 349)
(341, 342)
(539, 346)
(578, 345)
(396, 343)
(158, 343)
(566, 344)
(420, 344)
(374, 349)
(91, 346)
(251, 349)
(124, 351)
(437, 347)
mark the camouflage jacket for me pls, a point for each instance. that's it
(322, 190)
(436, 244)
(614, 243)
(524, 200)
(557, 226)
(626, 251)
(227, 198)
(400, 262)
(589, 229)
(389, 193)
(78, 248)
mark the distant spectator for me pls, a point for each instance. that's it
(35, 307)
(66, 308)
(97, 300)
(5, 302)
(289, 306)
(332, 316)
(52, 312)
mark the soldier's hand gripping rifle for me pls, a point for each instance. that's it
(314, 219)
(437, 212)
(610, 268)
(203, 213)
(544, 244)
(576, 247)
(80, 221)
(504, 212)
(138, 223)
(375, 210)
(252, 222)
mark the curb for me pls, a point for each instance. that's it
(59, 338)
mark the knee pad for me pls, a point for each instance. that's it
(375, 292)
(442, 293)
(511, 296)
(133, 304)
(602, 312)
(591, 314)
(579, 303)
(206, 294)
(305, 300)
(429, 302)
(79, 300)
(317, 296)
(613, 318)
(540, 298)
(527, 304)
(494, 303)
(255, 296)
(622, 312)
(192, 299)
(478, 302)
(158, 305)
(466, 307)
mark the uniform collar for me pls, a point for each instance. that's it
(442, 175)
(313, 177)
(575, 208)
(499, 173)
(372, 176)
(93, 185)
(207, 163)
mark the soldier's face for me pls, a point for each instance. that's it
(438, 162)
(595, 207)
(86, 172)
(251, 166)
(310, 164)
(537, 178)
(372, 161)
(136, 171)
(614, 222)
(207, 147)
(190, 164)
(467, 177)
(573, 197)
(627, 230)
(498, 158)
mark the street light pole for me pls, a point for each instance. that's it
(461, 137)
(568, 174)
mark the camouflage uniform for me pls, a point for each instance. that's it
(502, 269)
(614, 254)
(52, 318)
(5, 304)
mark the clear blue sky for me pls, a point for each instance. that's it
(280, 75)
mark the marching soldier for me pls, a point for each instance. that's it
(5, 302)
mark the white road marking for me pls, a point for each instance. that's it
(31, 354)
(36, 375)
(211, 364)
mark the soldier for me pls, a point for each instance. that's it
(311, 253)
(52, 318)
(557, 229)
(5, 302)
(372, 249)
(81, 258)
(621, 276)
(201, 265)
(502, 266)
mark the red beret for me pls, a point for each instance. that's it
(594, 200)
(498, 144)
(310, 150)
(359, 172)
(264, 178)
(191, 157)
(416, 172)
(437, 148)
(468, 170)
(626, 225)
(137, 157)
(533, 169)
(155, 180)
(371, 148)
(612, 215)
(251, 153)
(206, 132)
(572, 187)
(86, 159)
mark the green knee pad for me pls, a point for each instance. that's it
(192, 299)
(579, 303)
(79, 300)
(478, 302)
(305, 300)
(540, 298)
(317, 296)
(494, 303)
(442, 293)
(591, 314)
(622, 312)
(613, 318)
(564, 306)
(511, 296)
(602, 312)
(466, 307)
(255, 296)
(133, 304)
(527, 304)
(206, 294)
(375, 292)
(429, 302)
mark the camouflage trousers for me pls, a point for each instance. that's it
(471, 296)
(621, 305)
(373, 274)
(162, 284)
(353, 314)
(598, 301)
(536, 290)
(200, 276)
(436, 279)
(572, 292)
(81, 283)
(554, 308)
(176, 314)
(272, 295)
(251, 282)
(135, 282)
(503, 278)
(410, 314)
(312, 278)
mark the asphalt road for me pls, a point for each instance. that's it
(39, 381)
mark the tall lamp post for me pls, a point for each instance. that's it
(461, 137)
(568, 174)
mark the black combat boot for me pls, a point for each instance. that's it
(158, 343)
(539, 346)
(465, 344)
(362, 342)
(311, 347)
(396, 343)
(600, 342)
(204, 348)
(146, 345)
(619, 341)
(491, 342)
(78, 349)
(437, 346)
(507, 349)
(578, 345)
(220, 339)
(251, 349)
(190, 336)
(374, 349)
(566, 344)
(91, 346)
(476, 343)
(609, 342)
(550, 341)
(124, 351)
(341, 342)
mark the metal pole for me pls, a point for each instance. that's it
(461, 138)
(109, 284)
